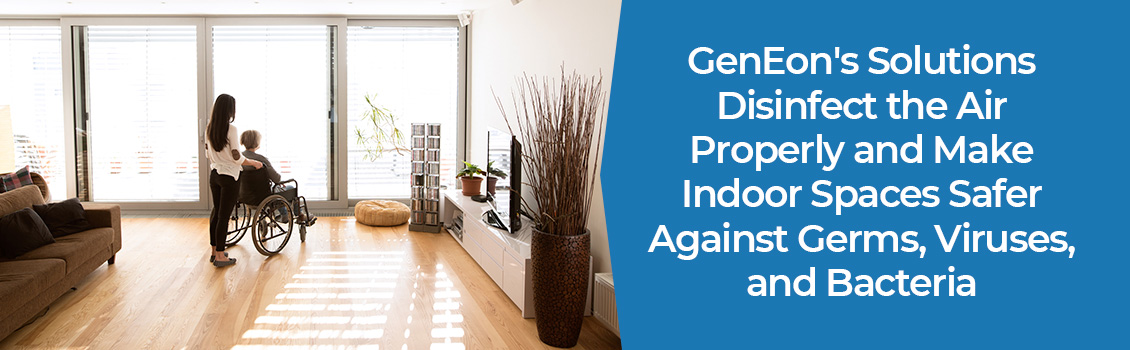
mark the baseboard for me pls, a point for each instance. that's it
(191, 214)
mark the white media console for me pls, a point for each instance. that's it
(504, 257)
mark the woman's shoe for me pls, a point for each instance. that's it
(213, 257)
(229, 262)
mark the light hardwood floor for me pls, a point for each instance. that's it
(349, 286)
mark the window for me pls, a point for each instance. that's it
(414, 73)
(31, 103)
(143, 132)
(140, 86)
(279, 76)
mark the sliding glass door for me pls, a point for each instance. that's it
(412, 71)
(142, 129)
(140, 91)
(280, 76)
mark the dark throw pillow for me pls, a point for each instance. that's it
(63, 218)
(22, 232)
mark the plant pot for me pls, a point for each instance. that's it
(560, 274)
(471, 185)
(491, 182)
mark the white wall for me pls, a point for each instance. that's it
(536, 37)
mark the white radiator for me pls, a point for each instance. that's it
(604, 302)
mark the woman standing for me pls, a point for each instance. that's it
(223, 153)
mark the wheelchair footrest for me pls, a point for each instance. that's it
(308, 223)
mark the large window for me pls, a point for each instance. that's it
(121, 119)
(279, 76)
(31, 103)
(143, 133)
(413, 71)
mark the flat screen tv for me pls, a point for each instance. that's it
(506, 153)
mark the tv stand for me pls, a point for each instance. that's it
(505, 257)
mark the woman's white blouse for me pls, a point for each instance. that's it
(222, 161)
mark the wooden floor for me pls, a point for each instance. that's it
(349, 286)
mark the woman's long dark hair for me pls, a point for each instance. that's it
(223, 114)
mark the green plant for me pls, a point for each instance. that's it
(378, 131)
(495, 171)
(470, 170)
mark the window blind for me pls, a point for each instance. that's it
(143, 113)
(414, 71)
(279, 76)
(31, 103)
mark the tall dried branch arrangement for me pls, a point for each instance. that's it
(557, 121)
(378, 131)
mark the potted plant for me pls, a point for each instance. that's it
(471, 182)
(493, 174)
(559, 122)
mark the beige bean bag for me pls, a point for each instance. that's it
(381, 213)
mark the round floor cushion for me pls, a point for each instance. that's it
(381, 213)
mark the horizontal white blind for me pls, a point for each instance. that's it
(279, 76)
(143, 113)
(31, 102)
(414, 72)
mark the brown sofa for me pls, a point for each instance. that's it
(30, 282)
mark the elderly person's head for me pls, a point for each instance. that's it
(250, 139)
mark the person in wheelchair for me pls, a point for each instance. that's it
(288, 189)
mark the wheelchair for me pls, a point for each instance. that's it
(267, 211)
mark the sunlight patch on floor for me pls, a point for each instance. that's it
(333, 299)
(381, 295)
(330, 283)
(450, 317)
(306, 347)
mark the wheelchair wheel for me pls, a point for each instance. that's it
(302, 233)
(273, 223)
(238, 224)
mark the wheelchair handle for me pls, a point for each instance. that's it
(279, 185)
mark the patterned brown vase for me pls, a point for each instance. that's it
(560, 274)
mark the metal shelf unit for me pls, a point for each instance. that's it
(425, 178)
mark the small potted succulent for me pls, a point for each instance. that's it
(493, 174)
(469, 177)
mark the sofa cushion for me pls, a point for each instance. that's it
(63, 218)
(17, 179)
(20, 281)
(22, 232)
(40, 182)
(75, 249)
(23, 197)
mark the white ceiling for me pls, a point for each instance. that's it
(241, 7)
